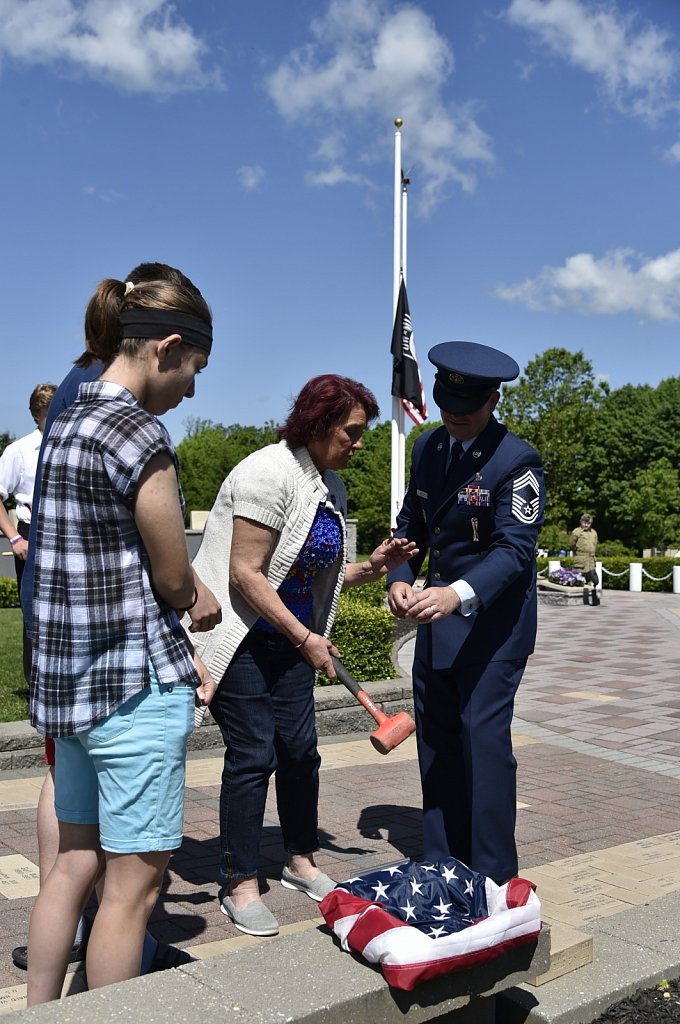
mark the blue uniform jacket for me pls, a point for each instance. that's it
(480, 524)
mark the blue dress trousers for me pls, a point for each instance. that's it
(479, 522)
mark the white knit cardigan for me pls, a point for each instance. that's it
(279, 487)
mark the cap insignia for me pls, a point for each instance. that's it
(456, 378)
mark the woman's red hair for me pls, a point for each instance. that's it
(321, 404)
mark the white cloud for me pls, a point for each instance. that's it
(136, 45)
(332, 147)
(250, 176)
(107, 195)
(368, 63)
(337, 175)
(622, 281)
(673, 153)
(330, 152)
(634, 63)
(525, 69)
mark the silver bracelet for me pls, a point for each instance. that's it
(303, 642)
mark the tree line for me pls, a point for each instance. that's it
(613, 453)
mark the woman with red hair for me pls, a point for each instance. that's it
(273, 553)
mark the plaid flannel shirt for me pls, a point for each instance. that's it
(97, 620)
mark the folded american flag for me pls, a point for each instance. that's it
(418, 921)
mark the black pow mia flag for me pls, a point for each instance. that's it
(406, 382)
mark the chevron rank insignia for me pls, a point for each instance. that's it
(525, 498)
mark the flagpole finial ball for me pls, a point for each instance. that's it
(398, 122)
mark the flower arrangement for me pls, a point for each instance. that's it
(567, 577)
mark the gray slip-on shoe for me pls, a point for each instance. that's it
(255, 919)
(316, 889)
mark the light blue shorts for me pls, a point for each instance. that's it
(127, 772)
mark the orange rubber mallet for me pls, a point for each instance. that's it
(391, 731)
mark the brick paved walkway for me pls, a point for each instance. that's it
(597, 739)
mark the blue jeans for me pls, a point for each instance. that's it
(264, 707)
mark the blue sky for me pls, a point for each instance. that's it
(250, 143)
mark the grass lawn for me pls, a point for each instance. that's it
(13, 689)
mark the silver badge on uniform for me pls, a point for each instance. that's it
(440, 446)
(476, 454)
(525, 498)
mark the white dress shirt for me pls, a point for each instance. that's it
(18, 464)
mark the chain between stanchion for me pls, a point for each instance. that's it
(657, 579)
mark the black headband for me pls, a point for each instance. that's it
(159, 323)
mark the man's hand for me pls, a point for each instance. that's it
(432, 604)
(399, 598)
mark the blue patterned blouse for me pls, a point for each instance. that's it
(320, 550)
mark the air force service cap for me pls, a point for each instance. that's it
(467, 374)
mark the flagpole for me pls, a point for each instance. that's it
(398, 450)
(404, 270)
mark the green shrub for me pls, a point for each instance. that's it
(373, 594)
(554, 538)
(363, 634)
(618, 567)
(656, 567)
(9, 592)
(613, 548)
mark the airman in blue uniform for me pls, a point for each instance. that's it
(475, 502)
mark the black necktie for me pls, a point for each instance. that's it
(455, 452)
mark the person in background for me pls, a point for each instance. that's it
(584, 546)
(475, 502)
(273, 552)
(114, 677)
(102, 340)
(18, 465)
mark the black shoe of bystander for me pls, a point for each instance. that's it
(20, 954)
(169, 956)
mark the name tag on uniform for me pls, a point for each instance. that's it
(422, 494)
